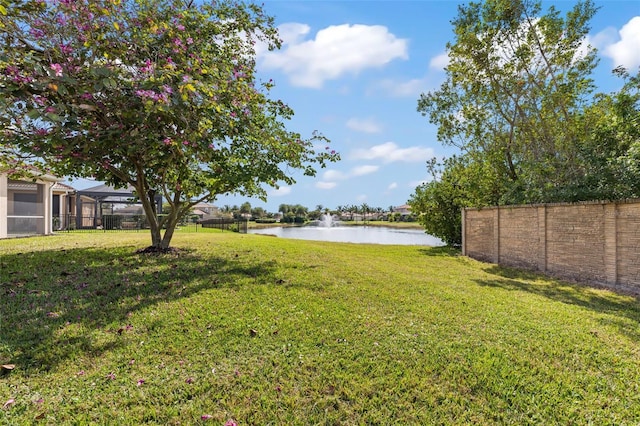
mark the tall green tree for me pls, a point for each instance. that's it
(158, 94)
(517, 85)
(517, 103)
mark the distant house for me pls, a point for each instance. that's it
(404, 210)
(206, 211)
(26, 205)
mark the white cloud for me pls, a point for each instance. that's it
(439, 62)
(293, 32)
(626, 51)
(364, 170)
(392, 186)
(403, 89)
(330, 177)
(333, 175)
(326, 185)
(389, 152)
(283, 190)
(361, 197)
(336, 50)
(367, 125)
(600, 40)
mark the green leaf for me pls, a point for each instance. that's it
(53, 117)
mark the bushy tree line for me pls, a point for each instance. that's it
(520, 104)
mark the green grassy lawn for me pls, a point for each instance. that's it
(259, 330)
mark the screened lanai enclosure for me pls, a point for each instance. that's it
(108, 208)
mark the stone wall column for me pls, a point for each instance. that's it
(541, 260)
(496, 235)
(611, 242)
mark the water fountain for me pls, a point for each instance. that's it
(326, 221)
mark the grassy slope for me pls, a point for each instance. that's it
(271, 331)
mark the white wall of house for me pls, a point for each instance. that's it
(25, 206)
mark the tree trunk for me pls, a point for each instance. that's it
(149, 207)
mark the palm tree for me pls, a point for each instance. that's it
(365, 210)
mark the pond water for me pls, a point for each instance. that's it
(353, 234)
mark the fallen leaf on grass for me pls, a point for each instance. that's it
(8, 366)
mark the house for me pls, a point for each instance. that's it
(63, 205)
(26, 205)
(205, 210)
(404, 210)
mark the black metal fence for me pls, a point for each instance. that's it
(105, 223)
(226, 224)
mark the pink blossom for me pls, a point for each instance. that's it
(180, 27)
(206, 416)
(140, 382)
(189, 380)
(189, 40)
(148, 66)
(230, 423)
(57, 68)
(167, 141)
(9, 403)
(36, 32)
(111, 376)
(65, 49)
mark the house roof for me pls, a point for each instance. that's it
(202, 205)
(106, 190)
(59, 186)
(106, 193)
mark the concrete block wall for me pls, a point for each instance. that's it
(592, 241)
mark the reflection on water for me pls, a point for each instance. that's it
(354, 234)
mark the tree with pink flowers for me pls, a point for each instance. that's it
(158, 94)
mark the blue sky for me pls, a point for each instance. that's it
(354, 70)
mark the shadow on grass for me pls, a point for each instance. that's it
(618, 309)
(440, 251)
(55, 303)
